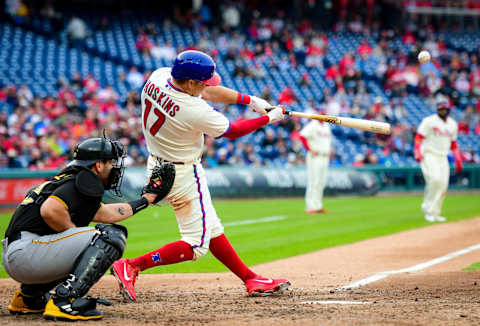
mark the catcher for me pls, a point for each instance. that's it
(48, 244)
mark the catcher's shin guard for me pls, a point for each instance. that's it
(96, 259)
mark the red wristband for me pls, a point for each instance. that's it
(243, 99)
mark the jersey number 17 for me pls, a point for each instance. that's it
(160, 118)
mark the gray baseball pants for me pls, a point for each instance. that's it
(35, 259)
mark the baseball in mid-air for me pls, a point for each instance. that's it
(424, 56)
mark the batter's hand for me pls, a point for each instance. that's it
(258, 105)
(277, 114)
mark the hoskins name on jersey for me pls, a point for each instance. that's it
(168, 105)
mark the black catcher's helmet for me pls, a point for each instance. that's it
(93, 150)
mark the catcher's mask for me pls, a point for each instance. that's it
(92, 150)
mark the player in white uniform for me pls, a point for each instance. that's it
(317, 139)
(438, 134)
(175, 118)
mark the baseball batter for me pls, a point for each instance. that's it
(175, 118)
(438, 134)
(317, 139)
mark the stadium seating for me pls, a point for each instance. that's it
(31, 57)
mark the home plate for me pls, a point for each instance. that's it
(335, 302)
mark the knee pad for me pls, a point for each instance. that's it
(114, 234)
(199, 252)
(106, 247)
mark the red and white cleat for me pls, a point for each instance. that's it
(261, 287)
(126, 274)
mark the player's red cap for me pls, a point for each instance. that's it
(443, 105)
(214, 80)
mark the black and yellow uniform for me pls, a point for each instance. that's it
(78, 196)
(41, 258)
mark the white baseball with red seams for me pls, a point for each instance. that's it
(174, 124)
(438, 136)
(424, 56)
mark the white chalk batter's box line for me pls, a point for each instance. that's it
(414, 268)
(255, 221)
(370, 279)
(382, 275)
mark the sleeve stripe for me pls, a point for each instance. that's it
(226, 131)
(60, 200)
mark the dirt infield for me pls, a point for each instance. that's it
(438, 295)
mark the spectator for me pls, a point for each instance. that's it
(18, 10)
(463, 127)
(90, 84)
(266, 94)
(144, 44)
(77, 32)
(332, 72)
(471, 157)
(104, 24)
(462, 85)
(77, 82)
(347, 62)
(286, 96)
(359, 161)
(135, 78)
(151, 29)
(231, 16)
(305, 80)
(165, 51)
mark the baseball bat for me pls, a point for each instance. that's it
(362, 124)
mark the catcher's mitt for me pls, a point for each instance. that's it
(161, 181)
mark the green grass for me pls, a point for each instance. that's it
(474, 267)
(349, 220)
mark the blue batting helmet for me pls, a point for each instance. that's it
(195, 65)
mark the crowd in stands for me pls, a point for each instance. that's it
(40, 131)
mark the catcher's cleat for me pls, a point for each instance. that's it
(26, 304)
(69, 309)
(261, 287)
(126, 275)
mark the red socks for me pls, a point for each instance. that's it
(171, 253)
(180, 251)
(223, 251)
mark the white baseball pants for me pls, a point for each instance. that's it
(436, 172)
(317, 178)
(190, 198)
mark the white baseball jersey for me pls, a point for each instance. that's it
(174, 122)
(438, 134)
(319, 136)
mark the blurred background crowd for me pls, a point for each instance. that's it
(67, 73)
